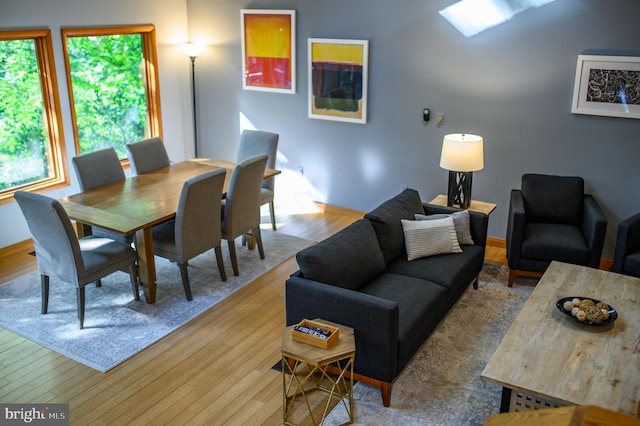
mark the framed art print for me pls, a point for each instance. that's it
(268, 50)
(338, 71)
(607, 85)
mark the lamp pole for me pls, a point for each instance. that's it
(193, 97)
(192, 50)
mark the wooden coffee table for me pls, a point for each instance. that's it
(548, 359)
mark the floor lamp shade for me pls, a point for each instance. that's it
(462, 154)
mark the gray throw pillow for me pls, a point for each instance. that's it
(461, 221)
(430, 237)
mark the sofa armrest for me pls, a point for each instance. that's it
(373, 319)
(479, 221)
(516, 221)
(594, 227)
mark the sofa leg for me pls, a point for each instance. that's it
(512, 276)
(475, 283)
(385, 390)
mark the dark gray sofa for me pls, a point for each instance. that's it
(360, 277)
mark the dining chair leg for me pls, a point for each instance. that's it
(257, 235)
(44, 284)
(223, 273)
(98, 282)
(134, 282)
(232, 254)
(272, 212)
(80, 295)
(184, 273)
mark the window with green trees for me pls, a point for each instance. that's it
(31, 137)
(113, 86)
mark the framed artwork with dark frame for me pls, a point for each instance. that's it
(269, 50)
(607, 85)
(338, 79)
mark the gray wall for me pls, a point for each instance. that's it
(512, 84)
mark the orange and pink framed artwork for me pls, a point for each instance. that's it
(268, 50)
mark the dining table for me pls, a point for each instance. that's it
(135, 205)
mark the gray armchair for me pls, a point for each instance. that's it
(256, 142)
(626, 258)
(551, 218)
(241, 212)
(61, 254)
(147, 155)
(196, 227)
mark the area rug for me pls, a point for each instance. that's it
(116, 327)
(441, 385)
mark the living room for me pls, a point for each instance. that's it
(512, 84)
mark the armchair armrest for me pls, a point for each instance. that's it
(373, 319)
(594, 227)
(516, 221)
(479, 221)
(627, 241)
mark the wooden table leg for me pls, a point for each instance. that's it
(83, 230)
(146, 263)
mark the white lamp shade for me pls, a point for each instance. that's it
(462, 152)
(192, 49)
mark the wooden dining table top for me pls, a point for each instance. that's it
(135, 205)
(143, 200)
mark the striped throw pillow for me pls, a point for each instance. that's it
(424, 238)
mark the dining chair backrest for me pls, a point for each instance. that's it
(98, 168)
(242, 203)
(198, 218)
(147, 155)
(257, 142)
(56, 244)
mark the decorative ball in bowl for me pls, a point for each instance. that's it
(587, 311)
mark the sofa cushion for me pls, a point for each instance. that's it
(347, 259)
(421, 306)
(452, 271)
(386, 221)
(461, 221)
(430, 237)
(553, 199)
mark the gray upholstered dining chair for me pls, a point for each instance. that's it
(256, 142)
(147, 155)
(196, 227)
(61, 254)
(241, 210)
(96, 169)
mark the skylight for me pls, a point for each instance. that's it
(471, 17)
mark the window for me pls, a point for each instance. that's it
(113, 86)
(32, 152)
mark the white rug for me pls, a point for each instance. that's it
(116, 327)
(441, 385)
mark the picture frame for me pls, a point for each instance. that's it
(607, 85)
(268, 50)
(338, 79)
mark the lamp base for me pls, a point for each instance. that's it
(459, 190)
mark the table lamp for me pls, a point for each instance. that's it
(462, 154)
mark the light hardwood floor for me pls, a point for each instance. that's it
(214, 370)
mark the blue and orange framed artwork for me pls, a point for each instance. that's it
(338, 72)
(268, 50)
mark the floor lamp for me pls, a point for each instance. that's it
(192, 50)
(462, 154)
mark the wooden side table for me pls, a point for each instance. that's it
(307, 368)
(475, 206)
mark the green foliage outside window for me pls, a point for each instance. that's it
(109, 94)
(23, 138)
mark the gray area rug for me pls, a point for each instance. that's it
(441, 385)
(116, 326)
